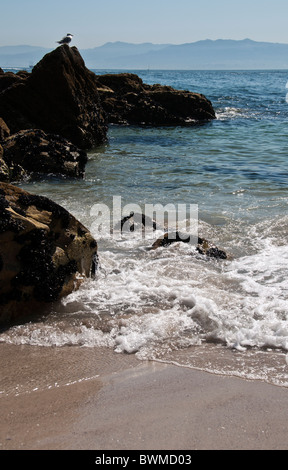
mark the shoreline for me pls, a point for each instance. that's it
(134, 405)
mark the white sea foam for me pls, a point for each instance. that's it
(230, 112)
(227, 113)
(148, 302)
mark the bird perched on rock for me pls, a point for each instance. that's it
(66, 39)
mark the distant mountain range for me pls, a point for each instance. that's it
(221, 54)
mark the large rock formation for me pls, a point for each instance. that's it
(32, 152)
(45, 253)
(127, 100)
(59, 96)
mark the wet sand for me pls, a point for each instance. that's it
(105, 401)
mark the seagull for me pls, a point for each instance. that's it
(66, 40)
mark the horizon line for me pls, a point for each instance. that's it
(155, 43)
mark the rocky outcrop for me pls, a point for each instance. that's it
(60, 97)
(32, 152)
(127, 100)
(204, 247)
(45, 253)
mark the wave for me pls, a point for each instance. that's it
(146, 302)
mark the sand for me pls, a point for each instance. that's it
(132, 405)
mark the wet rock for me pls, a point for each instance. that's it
(45, 253)
(31, 152)
(134, 222)
(127, 100)
(59, 96)
(203, 246)
(209, 249)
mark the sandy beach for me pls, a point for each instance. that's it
(133, 405)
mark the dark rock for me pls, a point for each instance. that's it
(169, 238)
(127, 100)
(203, 246)
(209, 249)
(59, 96)
(4, 130)
(45, 253)
(32, 151)
(4, 169)
(8, 79)
(23, 74)
(134, 222)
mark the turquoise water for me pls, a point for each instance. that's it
(173, 304)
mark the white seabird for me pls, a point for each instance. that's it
(66, 39)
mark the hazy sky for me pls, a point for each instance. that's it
(94, 22)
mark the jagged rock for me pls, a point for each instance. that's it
(32, 151)
(127, 100)
(59, 96)
(4, 130)
(203, 246)
(45, 253)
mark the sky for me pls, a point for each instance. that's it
(95, 22)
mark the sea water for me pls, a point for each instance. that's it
(173, 304)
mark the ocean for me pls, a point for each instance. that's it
(173, 304)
